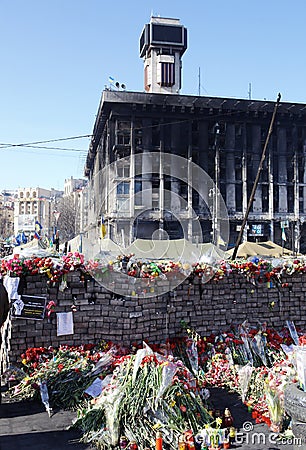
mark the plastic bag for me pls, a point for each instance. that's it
(110, 403)
(293, 331)
(192, 353)
(244, 376)
(168, 372)
(103, 362)
(258, 346)
(275, 408)
(229, 356)
(141, 353)
(112, 418)
(243, 331)
(45, 396)
(63, 284)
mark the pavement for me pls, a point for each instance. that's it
(26, 425)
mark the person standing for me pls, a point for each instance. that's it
(4, 304)
(56, 241)
(4, 310)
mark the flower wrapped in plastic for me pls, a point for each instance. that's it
(275, 408)
(150, 391)
(244, 377)
(192, 353)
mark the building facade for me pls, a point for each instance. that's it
(35, 205)
(74, 202)
(224, 137)
(6, 214)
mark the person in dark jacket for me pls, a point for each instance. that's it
(4, 310)
(4, 305)
(56, 241)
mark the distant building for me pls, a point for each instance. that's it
(223, 136)
(74, 199)
(6, 214)
(72, 185)
(35, 205)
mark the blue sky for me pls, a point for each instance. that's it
(57, 55)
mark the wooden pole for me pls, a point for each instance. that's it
(263, 155)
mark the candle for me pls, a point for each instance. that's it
(181, 443)
(232, 434)
(123, 442)
(226, 444)
(189, 440)
(159, 441)
(227, 419)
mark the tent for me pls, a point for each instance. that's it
(103, 248)
(176, 250)
(211, 253)
(36, 247)
(267, 249)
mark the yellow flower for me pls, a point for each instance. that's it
(172, 403)
(218, 421)
(24, 361)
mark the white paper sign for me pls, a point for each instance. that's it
(11, 285)
(64, 323)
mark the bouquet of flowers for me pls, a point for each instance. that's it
(148, 391)
(275, 408)
(66, 371)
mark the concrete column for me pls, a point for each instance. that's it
(282, 169)
(203, 158)
(105, 184)
(162, 179)
(244, 180)
(230, 166)
(190, 184)
(304, 179)
(175, 184)
(132, 184)
(147, 165)
(256, 153)
(296, 191)
(271, 188)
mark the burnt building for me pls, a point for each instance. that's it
(136, 196)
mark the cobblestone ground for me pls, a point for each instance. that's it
(26, 425)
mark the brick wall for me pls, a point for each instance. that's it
(213, 306)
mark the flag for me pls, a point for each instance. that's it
(111, 79)
(284, 234)
(36, 235)
(38, 226)
(24, 238)
(103, 228)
